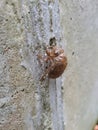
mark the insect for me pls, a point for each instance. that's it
(56, 62)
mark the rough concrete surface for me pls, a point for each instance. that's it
(79, 22)
(16, 85)
(26, 103)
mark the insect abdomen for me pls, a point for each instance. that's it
(58, 69)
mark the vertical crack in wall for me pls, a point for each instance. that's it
(41, 22)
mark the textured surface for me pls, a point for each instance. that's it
(25, 103)
(20, 99)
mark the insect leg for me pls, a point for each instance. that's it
(46, 72)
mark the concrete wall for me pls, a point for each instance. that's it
(79, 22)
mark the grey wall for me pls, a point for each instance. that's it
(79, 20)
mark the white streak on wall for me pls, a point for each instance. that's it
(42, 24)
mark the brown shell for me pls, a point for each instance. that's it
(56, 62)
(59, 67)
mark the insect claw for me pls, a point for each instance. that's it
(42, 78)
